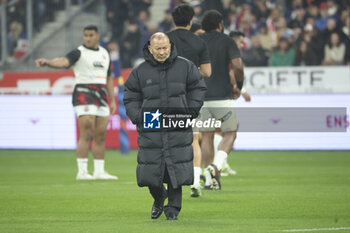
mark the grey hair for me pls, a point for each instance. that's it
(158, 36)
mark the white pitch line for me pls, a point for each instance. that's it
(318, 229)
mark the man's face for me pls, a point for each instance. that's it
(91, 38)
(240, 42)
(160, 49)
(284, 44)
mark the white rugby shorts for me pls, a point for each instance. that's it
(222, 110)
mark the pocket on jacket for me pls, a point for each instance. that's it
(184, 101)
(140, 114)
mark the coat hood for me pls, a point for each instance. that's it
(150, 59)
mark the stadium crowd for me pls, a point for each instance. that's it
(277, 32)
(43, 12)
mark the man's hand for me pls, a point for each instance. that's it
(246, 96)
(60, 62)
(40, 62)
(236, 93)
(112, 107)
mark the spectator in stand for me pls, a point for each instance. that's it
(284, 55)
(291, 4)
(321, 21)
(334, 51)
(310, 20)
(143, 20)
(130, 44)
(282, 29)
(246, 27)
(117, 14)
(347, 56)
(232, 7)
(346, 29)
(266, 37)
(139, 5)
(297, 33)
(330, 29)
(16, 12)
(305, 56)
(346, 32)
(262, 12)
(245, 16)
(114, 53)
(344, 15)
(333, 10)
(167, 23)
(271, 4)
(198, 11)
(15, 30)
(312, 37)
(255, 55)
(312, 11)
(230, 24)
(271, 21)
(298, 18)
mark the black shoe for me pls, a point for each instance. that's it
(156, 211)
(171, 216)
(158, 206)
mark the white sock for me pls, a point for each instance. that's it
(225, 165)
(99, 166)
(82, 165)
(197, 175)
(207, 177)
(217, 140)
(219, 159)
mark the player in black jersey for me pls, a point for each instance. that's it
(194, 49)
(219, 97)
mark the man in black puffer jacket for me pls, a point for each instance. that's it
(164, 81)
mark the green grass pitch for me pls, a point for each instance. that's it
(272, 192)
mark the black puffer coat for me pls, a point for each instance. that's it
(175, 83)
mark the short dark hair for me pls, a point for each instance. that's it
(91, 27)
(182, 15)
(236, 34)
(211, 20)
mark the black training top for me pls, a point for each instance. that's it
(222, 50)
(190, 46)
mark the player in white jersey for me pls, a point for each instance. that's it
(94, 85)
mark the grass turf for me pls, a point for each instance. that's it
(272, 192)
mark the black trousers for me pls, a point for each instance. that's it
(174, 195)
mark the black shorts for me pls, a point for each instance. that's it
(90, 94)
(90, 99)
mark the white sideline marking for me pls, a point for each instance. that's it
(318, 229)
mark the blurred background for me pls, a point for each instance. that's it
(296, 53)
